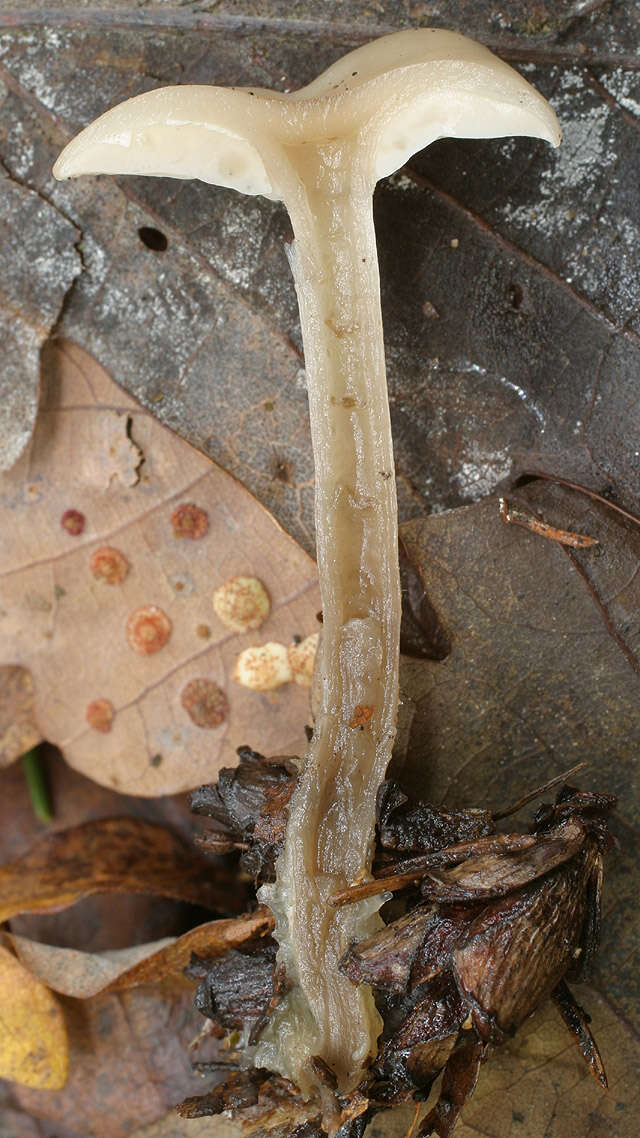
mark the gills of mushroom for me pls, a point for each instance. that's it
(321, 151)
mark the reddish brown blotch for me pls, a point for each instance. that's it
(205, 703)
(362, 713)
(73, 522)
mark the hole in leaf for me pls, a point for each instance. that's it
(516, 296)
(282, 471)
(153, 238)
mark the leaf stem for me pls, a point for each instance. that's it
(36, 778)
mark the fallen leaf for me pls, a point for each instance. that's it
(85, 974)
(543, 662)
(173, 1127)
(129, 1062)
(542, 671)
(112, 653)
(39, 245)
(33, 1040)
(121, 855)
(539, 1084)
(18, 732)
(527, 254)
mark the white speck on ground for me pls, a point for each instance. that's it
(481, 472)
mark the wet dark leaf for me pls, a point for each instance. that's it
(40, 245)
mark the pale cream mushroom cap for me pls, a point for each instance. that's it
(398, 93)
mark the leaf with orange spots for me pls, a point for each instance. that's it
(114, 855)
(114, 536)
(33, 1038)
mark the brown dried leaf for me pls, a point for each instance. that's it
(173, 1127)
(544, 663)
(85, 974)
(18, 732)
(33, 1040)
(117, 713)
(113, 855)
(538, 1084)
(129, 1062)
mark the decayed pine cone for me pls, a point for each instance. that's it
(484, 927)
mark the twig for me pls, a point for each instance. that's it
(511, 515)
(537, 792)
(527, 474)
(410, 871)
(414, 1121)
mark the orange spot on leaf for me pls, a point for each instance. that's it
(148, 629)
(109, 565)
(189, 521)
(99, 715)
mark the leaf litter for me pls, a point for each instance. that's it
(553, 1105)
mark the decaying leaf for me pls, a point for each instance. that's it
(537, 1084)
(173, 1127)
(18, 732)
(121, 855)
(129, 1062)
(85, 974)
(33, 1038)
(544, 650)
(114, 617)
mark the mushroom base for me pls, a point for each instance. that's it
(482, 929)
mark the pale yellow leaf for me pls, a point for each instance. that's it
(34, 1049)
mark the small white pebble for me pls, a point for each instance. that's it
(263, 667)
(242, 603)
(454, 242)
(301, 658)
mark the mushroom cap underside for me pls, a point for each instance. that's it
(394, 95)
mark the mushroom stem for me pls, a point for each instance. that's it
(332, 815)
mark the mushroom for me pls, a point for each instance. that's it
(321, 151)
